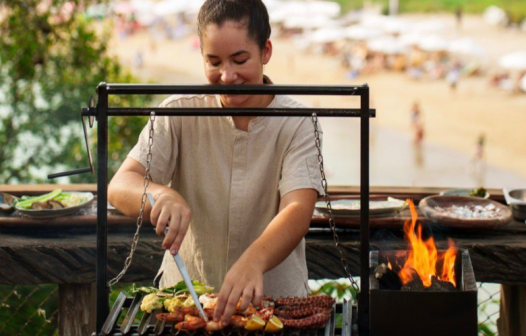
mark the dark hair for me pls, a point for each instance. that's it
(252, 12)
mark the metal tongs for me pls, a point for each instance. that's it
(184, 272)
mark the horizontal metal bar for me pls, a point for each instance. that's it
(70, 172)
(143, 89)
(217, 112)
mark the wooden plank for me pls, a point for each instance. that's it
(76, 309)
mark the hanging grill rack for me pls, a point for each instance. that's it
(101, 111)
(126, 308)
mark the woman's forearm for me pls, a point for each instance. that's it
(126, 189)
(282, 235)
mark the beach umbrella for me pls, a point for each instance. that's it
(374, 21)
(326, 35)
(170, 7)
(362, 33)
(387, 45)
(142, 6)
(396, 25)
(123, 7)
(514, 61)
(411, 39)
(309, 22)
(429, 26)
(466, 46)
(494, 16)
(434, 43)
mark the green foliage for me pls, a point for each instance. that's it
(515, 8)
(50, 64)
(336, 289)
(28, 310)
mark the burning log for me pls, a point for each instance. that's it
(387, 278)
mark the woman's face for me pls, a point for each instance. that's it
(231, 57)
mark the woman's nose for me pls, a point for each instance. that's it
(228, 74)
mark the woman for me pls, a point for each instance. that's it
(239, 190)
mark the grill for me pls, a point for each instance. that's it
(430, 313)
(125, 309)
(101, 111)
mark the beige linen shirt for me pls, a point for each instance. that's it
(233, 182)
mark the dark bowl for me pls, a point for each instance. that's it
(428, 207)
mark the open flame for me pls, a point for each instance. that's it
(423, 256)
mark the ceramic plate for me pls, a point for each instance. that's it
(347, 207)
(460, 192)
(51, 213)
(465, 212)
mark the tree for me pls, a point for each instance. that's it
(51, 60)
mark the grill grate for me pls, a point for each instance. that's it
(127, 308)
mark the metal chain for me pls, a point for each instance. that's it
(144, 198)
(332, 224)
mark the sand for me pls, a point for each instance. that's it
(453, 120)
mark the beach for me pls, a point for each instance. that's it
(453, 120)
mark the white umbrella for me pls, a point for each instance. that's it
(429, 26)
(514, 61)
(170, 7)
(326, 35)
(495, 16)
(396, 25)
(387, 45)
(411, 39)
(466, 46)
(434, 43)
(309, 22)
(142, 6)
(523, 83)
(376, 21)
(361, 33)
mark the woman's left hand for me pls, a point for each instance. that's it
(244, 281)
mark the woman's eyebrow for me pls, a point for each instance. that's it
(241, 52)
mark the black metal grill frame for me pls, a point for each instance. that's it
(127, 307)
(102, 111)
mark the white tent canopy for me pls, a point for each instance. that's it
(467, 46)
(434, 43)
(514, 61)
(326, 35)
(361, 33)
(387, 45)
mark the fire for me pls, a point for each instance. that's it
(423, 256)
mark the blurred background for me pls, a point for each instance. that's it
(447, 78)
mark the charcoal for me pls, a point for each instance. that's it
(436, 286)
(387, 278)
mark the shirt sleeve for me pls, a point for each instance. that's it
(164, 149)
(301, 168)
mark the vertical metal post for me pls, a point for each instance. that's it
(363, 300)
(103, 302)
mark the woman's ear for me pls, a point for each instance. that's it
(267, 52)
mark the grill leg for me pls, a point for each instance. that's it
(76, 309)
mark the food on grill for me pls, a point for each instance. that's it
(255, 323)
(321, 301)
(293, 312)
(317, 320)
(310, 312)
(273, 325)
(151, 302)
(271, 316)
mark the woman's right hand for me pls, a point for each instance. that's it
(171, 209)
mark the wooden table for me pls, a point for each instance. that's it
(63, 251)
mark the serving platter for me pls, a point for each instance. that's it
(460, 212)
(351, 207)
(52, 213)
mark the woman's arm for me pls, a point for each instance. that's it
(125, 193)
(280, 238)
